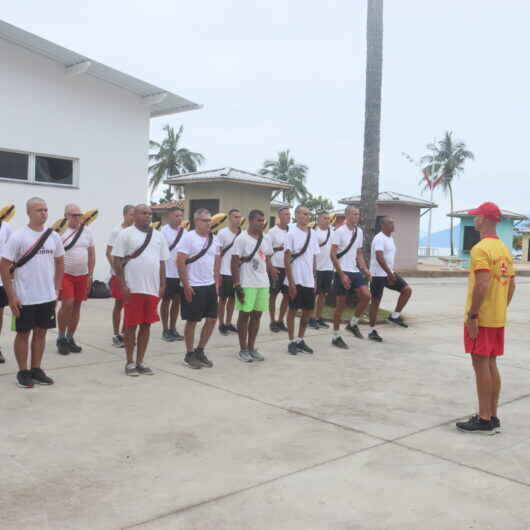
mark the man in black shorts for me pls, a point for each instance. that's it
(382, 269)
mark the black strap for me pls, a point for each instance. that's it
(202, 252)
(32, 251)
(303, 249)
(327, 239)
(177, 239)
(281, 247)
(75, 239)
(352, 241)
(246, 259)
(226, 249)
(140, 249)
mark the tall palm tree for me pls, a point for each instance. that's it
(447, 159)
(170, 158)
(372, 119)
(287, 169)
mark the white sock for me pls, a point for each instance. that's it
(395, 314)
(299, 339)
(294, 341)
(354, 321)
(371, 329)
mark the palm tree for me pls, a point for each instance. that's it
(171, 159)
(372, 120)
(446, 159)
(285, 168)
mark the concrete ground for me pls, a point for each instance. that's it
(358, 439)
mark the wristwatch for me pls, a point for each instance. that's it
(472, 316)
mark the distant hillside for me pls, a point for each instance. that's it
(442, 238)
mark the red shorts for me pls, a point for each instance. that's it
(489, 343)
(140, 309)
(75, 287)
(115, 288)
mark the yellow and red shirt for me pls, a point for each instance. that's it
(492, 255)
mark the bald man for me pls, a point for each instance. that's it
(79, 262)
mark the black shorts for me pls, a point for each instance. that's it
(203, 304)
(324, 281)
(278, 285)
(305, 298)
(357, 280)
(227, 287)
(378, 284)
(172, 287)
(36, 316)
(3, 297)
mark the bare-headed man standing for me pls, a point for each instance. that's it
(5, 233)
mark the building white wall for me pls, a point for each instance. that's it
(105, 127)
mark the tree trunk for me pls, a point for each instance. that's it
(372, 120)
(452, 220)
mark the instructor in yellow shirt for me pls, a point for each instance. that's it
(490, 289)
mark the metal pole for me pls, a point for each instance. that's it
(430, 228)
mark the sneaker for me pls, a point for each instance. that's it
(191, 361)
(244, 355)
(273, 326)
(356, 332)
(39, 377)
(2, 358)
(200, 355)
(231, 327)
(62, 346)
(313, 323)
(24, 379)
(117, 341)
(292, 348)
(144, 370)
(168, 336)
(131, 370)
(373, 335)
(398, 321)
(176, 334)
(339, 343)
(304, 348)
(281, 326)
(223, 330)
(256, 355)
(476, 425)
(496, 423)
(322, 323)
(74, 348)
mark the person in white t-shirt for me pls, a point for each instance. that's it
(169, 308)
(351, 274)
(139, 257)
(226, 238)
(382, 261)
(198, 262)
(250, 266)
(301, 250)
(79, 262)
(5, 232)
(115, 288)
(36, 257)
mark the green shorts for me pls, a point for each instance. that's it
(256, 299)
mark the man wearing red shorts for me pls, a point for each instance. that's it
(79, 261)
(139, 257)
(490, 289)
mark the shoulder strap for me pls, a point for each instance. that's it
(246, 259)
(75, 239)
(32, 251)
(280, 247)
(177, 239)
(203, 250)
(303, 249)
(227, 248)
(327, 239)
(352, 241)
(141, 248)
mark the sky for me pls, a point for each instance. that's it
(289, 74)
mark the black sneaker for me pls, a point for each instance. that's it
(2, 358)
(293, 348)
(24, 379)
(168, 336)
(373, 335)
(191, 361)
(322, 323)
(39, 377)
(339, 343)
(313, 323)
(281, 326)
(74, 348)
(62, 346)
(223, 330)
(176, 335)
(476, 424)
(496, 423)
(398, 321)
(303, 347)
(273, 326)
(231, 327)
(356, 332)
(201, 357)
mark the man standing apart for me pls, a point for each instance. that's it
(250, 263)
(115, 288)
(198, 262)
(32, 272)
(79, 262)
(300, 251)
(139, 256)
(278, 237)
(5, 233)
(226, 237)
(382, 259)
(490, 290)
(348, 259)
(169, 308)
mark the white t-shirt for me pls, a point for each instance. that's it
(5, 232)
(76, 259)
(171, 264)
(142, 274)
(303, 266)
(278, 238)
(225, 236)
(384, 243)
(324, 258)
(341, 237)
(112, 240)
(34, 282)
(200, 272)
(253, 273)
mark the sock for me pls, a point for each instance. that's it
(354, 321)
(292, 341)
(395, 314)
(62, 335)
(371, 329)
(299, 339)
(69, 336)
(336, 334)
(484, 422)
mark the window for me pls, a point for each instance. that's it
(57, 170)
(14, 165)
(272, 221)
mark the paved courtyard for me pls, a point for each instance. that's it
(358, 439)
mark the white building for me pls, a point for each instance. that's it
(73, 130)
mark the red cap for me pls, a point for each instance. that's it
(489, 210)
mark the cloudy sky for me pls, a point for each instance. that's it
(289, 74)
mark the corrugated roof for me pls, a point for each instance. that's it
(228, 174)
(280, 204)
(167, 205)
(391, 197)
(162, 102)
(505, 213)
